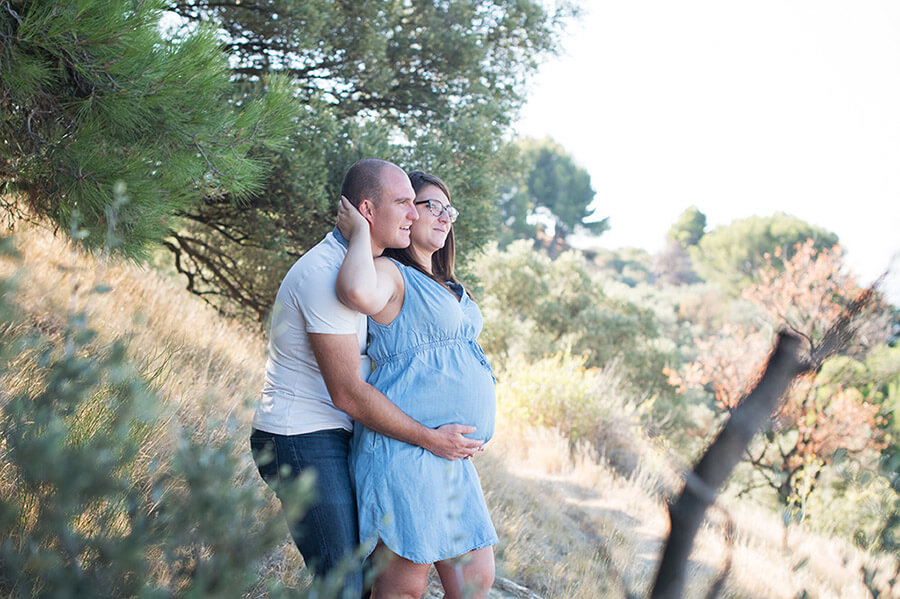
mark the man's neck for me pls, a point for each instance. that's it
(377, 250)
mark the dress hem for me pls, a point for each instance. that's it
(476, 547)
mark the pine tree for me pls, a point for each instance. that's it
(92, 94)
(549, 180)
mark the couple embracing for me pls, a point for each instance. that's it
(375, 380)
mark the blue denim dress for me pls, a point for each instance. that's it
(429, 363)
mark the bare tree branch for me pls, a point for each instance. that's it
(717, 463)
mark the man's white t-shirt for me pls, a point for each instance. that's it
(294, 398)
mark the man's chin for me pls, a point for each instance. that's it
(402, 242)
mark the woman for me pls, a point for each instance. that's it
(418, 508)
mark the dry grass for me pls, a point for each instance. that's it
(206, 368)
(571, 527)
(569, 524)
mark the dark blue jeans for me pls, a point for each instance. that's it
(328, 532)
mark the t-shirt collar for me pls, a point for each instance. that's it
(341, 239)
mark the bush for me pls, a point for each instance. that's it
(852, 503)
(537, 306)
(583, 404)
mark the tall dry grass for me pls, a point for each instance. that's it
(572, 526)
(206, 368)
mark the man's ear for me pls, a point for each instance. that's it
(367, 209)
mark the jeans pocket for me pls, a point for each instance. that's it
(262, 448)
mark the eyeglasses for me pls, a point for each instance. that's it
(437, 209)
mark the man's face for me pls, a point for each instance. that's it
(395, 212)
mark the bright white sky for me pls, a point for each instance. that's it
(738, 108)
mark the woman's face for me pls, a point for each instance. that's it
(429, 232)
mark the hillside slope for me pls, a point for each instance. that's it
(570, 526)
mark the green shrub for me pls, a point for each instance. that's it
(852, 501)
(537, 306)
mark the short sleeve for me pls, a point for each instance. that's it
(316, 298)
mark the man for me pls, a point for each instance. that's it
(315, 377)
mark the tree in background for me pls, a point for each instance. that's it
(551, 184)
(733, 255)
(426, 85)
(689, 229)
(822, 416)
(809, 291)
(91, 95)
(673, 265)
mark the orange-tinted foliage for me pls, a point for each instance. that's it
(806, 297)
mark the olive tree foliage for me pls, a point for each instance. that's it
(425, 85)
(629, 266)
(92, 95)
(733, 255)
(547, 180)
(534, 307)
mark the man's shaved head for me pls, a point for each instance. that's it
(363, 180)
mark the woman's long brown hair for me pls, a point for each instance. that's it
(443, 260)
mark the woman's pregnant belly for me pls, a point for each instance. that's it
(441, 387)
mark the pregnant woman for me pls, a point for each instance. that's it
(419, 509)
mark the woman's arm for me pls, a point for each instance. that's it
(361, 283)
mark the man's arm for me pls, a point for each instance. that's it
(338, 359)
